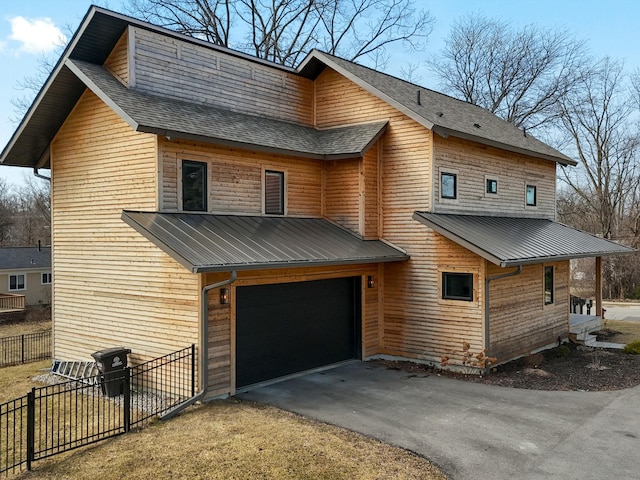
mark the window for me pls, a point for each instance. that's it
(17, 282)
(531, 196)
(448, 185)
(46, 278)
(274, 192)
(492, 186)
(548, 285)
(457, 286)
(194, 186)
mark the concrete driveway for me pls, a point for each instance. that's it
(629, 312)
(474, 431)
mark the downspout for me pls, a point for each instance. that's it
(204, 341)
(35, 173)
(487, 325)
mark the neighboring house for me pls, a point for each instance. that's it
(26, 271)
(285, 219)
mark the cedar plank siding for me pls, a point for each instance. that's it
(112, 286)
(185, 71)
(369, 206)
(236, 178)
(342, 193)
(472, 162)
(221, 318)
(417, 324)
(118, 61)
(520, 322)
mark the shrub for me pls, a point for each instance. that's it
(633, 347)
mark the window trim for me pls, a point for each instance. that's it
(205, 163)
(453, 174)
(24, 284)
(526, 195)
(444, 294)
(49, 278)
(544, 285)
(283, 190)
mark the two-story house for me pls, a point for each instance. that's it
(286, 219)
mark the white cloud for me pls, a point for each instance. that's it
(36, 35)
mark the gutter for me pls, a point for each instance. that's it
(36, 174)
(487, 325)
(204, 340)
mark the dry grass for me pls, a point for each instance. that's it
(37, 325)
(17, 381)
(629, 331)
(238, 440)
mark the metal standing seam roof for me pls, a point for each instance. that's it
(508, 241)
(441, 113)
(180, 119)
(213, 243)
(25, 258)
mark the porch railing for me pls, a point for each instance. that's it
(10, 302)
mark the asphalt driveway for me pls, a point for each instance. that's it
(474, 431)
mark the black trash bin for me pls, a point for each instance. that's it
(110, 363)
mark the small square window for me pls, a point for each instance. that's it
(532, 197)
(17, 282)
(548, 285)
(194, 186)
(492, 186)
(457, 286)
(46, 278)
(273, 192)
(448, 185)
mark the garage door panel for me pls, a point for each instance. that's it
(287, 328)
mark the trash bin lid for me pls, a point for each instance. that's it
(109, 352)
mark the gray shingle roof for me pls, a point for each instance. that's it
(508, 241)
(212, 243)
(179, 119)
(23, 258)
(441, 113)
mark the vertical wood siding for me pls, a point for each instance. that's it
(184, 71)
(520, 322)
(118, 61)
(472, 162)
(236, 178)
(112, 286)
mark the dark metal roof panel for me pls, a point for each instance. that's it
(508, 241)
(441, 113)
(210, 243)
(179, 119)
(23, 258)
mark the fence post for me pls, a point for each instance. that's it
(31, 427)
(22, 351)
(193, 369)
(126, 392)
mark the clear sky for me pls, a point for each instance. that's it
(30, 27)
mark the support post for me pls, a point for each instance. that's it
(599, 286)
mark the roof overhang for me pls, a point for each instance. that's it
(510, 241)
(214, 243)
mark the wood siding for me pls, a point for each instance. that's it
(343, 193)
(221, 364)
(236, 178)
(520, 322)
(473, 163)
(186, 71)
(112, 286)
(118, 61)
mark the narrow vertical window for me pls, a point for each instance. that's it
(46, 278)
(548, 285)
(194, 186)
(531, 195)
(273, 192)
(448, 185)
(492, 186)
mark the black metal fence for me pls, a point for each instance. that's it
(19, 349)
(57, 418)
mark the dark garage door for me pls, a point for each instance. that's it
(291, 327)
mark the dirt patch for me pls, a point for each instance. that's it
(568, 367)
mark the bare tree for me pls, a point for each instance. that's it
(283, 31)
(518, 75)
